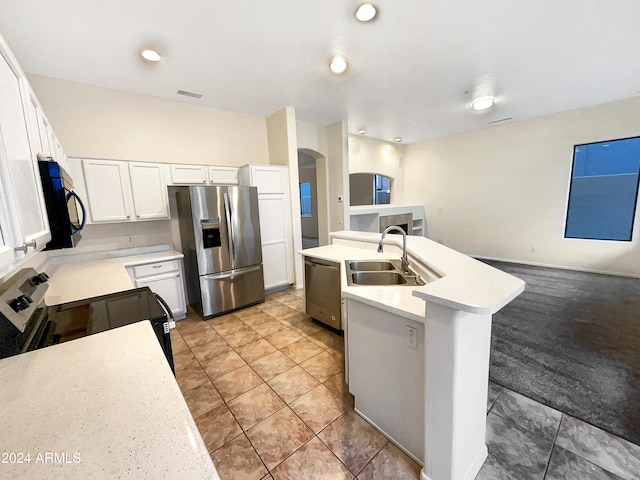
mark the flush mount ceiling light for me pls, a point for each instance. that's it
(366, 12)
(338, 65)
(397, 139)
(482, 103)
(151, 55)
(362, 131)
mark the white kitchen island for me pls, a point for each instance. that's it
(428, 397)
(104, 406)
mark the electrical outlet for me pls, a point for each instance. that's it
(130, 240)
(412, 337)
(533, 249)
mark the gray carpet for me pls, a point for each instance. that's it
(571, 340)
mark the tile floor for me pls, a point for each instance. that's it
(266, 388)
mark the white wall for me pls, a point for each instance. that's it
(376, 156)
(502, 192)
(99, 122)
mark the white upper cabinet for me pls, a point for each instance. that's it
(223, 175)
(108, 190)
(149, 187)
(23, 193)
(188, 174)
(268, 178)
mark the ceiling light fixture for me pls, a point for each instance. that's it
(397, 139)
(366, 12)
(150, 55)
(338, 65)
(482, 103)
(362, 131)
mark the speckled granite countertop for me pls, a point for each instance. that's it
(102, 407)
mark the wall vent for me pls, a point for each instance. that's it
(189, 94)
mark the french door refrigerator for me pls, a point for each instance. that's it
(220, 235)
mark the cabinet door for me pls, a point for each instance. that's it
(149, 188)
(8, 238)
(24, 191)
(188, 174)
(108, 190)
(277, 254)
(269, 179)
(170, 288)
(275, 265)
(33, 120)
(223, 175)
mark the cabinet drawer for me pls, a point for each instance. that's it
(156, 268)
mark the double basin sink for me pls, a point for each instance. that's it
(380, 272)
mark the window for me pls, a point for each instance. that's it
(604, 190)
(305, 199)
(383, 190)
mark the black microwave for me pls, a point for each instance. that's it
(63, 206)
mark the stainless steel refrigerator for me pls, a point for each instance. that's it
(220, 235)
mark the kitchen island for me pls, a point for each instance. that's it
(100, 407)
(417, 358)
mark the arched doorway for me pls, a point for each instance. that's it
(312, 172)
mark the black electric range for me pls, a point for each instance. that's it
(27, 324)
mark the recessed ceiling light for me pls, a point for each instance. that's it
(150, 55)
(366, 12)
(338, 65)
(362, 131)
(483, 103)
(397, 139)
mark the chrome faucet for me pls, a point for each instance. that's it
(405, 261)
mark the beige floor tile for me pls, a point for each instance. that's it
(202, 399)
(268, 327)
(256, 349)
(258, 317)
(352, 440)
(323, 366)
(191, 324)
(222, 364)
(217, 427)
(237, 460)
(313, 461)
(338, 386)
(190, 378)
(301, 350)
(248, 311)
(201, 337)
(307, 327)
(184, 360)
(229, 326)
(237, 382)
(325, 338)
(177, 342)
(292, 384)
(283, 337)
(278, 310)
(255, 405)
(278, 436)
(297, 304)
(214, 347)
(273, 364)
(240, 336)
(222, 319)
(390, 463)
(318, 407)
(293, 318)
(337, 350)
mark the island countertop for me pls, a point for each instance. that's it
(100, 407)
(457, 280)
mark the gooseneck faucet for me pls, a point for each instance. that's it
(405, 261)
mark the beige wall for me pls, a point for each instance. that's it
(502, 192)
(376, 156)
(100, 122)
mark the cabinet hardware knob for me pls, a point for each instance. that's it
(128, 216)
(25, 246)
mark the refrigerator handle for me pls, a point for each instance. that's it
(232, 244)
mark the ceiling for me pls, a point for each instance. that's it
(412, 71)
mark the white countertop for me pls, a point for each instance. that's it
(71, 281)
(107, 405)
(466, 284)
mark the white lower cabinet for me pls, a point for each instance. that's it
(164, 278)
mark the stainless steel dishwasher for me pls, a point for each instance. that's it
(322, 291)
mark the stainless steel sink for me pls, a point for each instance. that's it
(377, 278)
(380, 272)
(371, 266)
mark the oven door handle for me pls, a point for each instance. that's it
(74, 194)
(165, 306)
